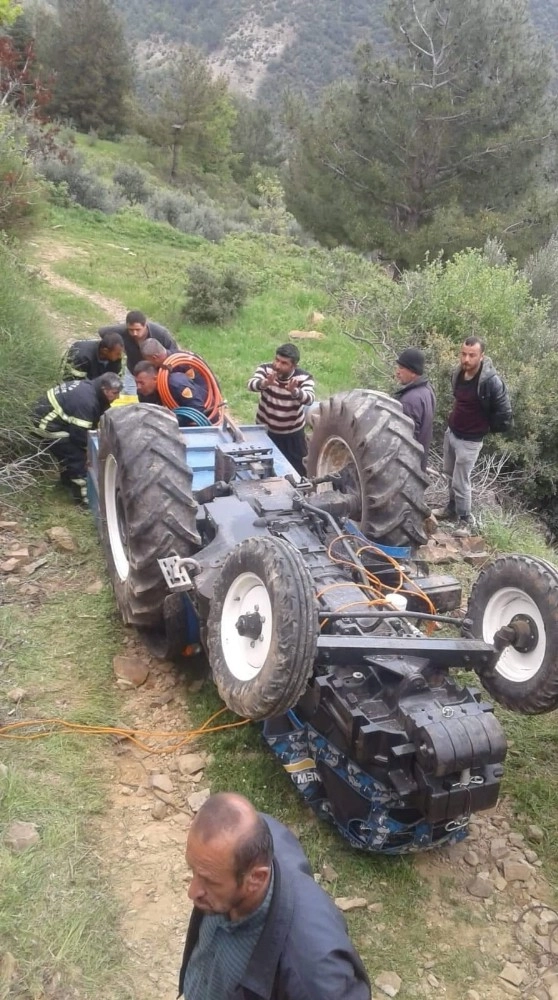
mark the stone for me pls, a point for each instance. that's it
(477, 559)
(531, 856)
(348, 903)
(131, 669)
(499, 848)
(306, 335)
(20, 836)
(482, 888)
(16, 695)
(516, 871)
(315, 317)
(329, 873)
(389, 983)
(535, 833)
(432, 980)
(472, 543)
(191, 763)
(9, 565)
(161, 782)
(125, 685)
(375, 908)
(20, 552)
(159, 810)
(61, 539)
(7, 524)
(7, 972)
(516, 839)
(513, 974)
(473, 995)
(471, 858)
(500, 882)
(95, 587)
(3, 771)
(197, 799)
(32, 567)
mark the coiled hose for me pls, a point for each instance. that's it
(213, 405)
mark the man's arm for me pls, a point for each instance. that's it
(336, 975)
(74, 364)
(256, 383)
(303, 388)
(500, 416)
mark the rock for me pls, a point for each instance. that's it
(7, 524)
(516, 839)
(61, 539)
(329, 873)
(499, 848)
(315, 317)
(197, 799)
(191, 763)
(3, 771)
(20, 836)
(306, 335)
(471, 858)
(348, 903)
(20, 552)
(531, 856)
(16, 695)
(159, 810)
(9, 566)
(32, 567)
(131, 669)
(535, 833)
(161, 782)
(125, 685)
(500, 882)
(476, 558)
(441, 549)
(375, 908)
(516, 871)
(472, 543)
(473, 995)
(482, 888)
(389, 983)
(95, 587)
(7, 972)
(513, 974)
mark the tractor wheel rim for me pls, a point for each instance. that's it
(335, 455)
(245, 656)
(115, 519)
(515, 665)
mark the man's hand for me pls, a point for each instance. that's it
(293, 387)
(270, 380)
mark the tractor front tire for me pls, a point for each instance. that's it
(525, 589)
(366, 437)
(146, 505)
(262, 628)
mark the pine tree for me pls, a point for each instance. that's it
(92, 66)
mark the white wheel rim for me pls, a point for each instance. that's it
(244, 656)
(334, 456)
(504, 605)
(119, 554)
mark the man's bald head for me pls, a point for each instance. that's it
(231, 816)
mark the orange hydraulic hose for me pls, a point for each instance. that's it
(213, 405)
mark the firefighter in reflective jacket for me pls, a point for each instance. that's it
(65, 415)
(91, 358)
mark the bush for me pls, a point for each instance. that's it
(213, 297)
(198, 215)
(20, 194)
(133, 182)
(80, 184)
(29, 356)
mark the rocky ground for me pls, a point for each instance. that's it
(490, 890)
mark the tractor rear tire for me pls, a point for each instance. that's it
(260, 676)
(509, 586)
(367, 438)
(146, 505)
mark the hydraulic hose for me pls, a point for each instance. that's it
(213, 404)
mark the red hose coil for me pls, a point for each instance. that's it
(213, 405)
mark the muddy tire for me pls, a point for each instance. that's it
(367, 438)
(518, 587)
(146, 506)
(262, 628)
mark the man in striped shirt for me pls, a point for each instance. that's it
(285, 390)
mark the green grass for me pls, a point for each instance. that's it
(58, 917)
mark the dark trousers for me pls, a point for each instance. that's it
(294, 447)
(73, 470)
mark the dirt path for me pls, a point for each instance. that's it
(48, 253)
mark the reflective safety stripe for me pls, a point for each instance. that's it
(59, 412)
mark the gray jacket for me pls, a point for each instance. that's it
(419, 403)
(304, 951)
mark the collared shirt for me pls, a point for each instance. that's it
(223, 951)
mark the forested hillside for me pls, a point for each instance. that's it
(263, 48)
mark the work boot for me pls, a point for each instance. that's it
(464, 525)
(447, 513)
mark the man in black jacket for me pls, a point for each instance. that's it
(65, 415)
(91, 358)
(416, 396)
(261, 927)
(481, 406)
(134, 332)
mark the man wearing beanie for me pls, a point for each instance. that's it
(416, 396)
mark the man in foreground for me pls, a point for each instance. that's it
(65, 415)
(481, 406)
(416, 396)
(134, 331)
(91, 358)
(184, 390)
(261, 927)
(285, 390)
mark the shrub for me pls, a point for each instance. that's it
(20, 194)
(213, 296)
(81, 185)
(133, 181)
